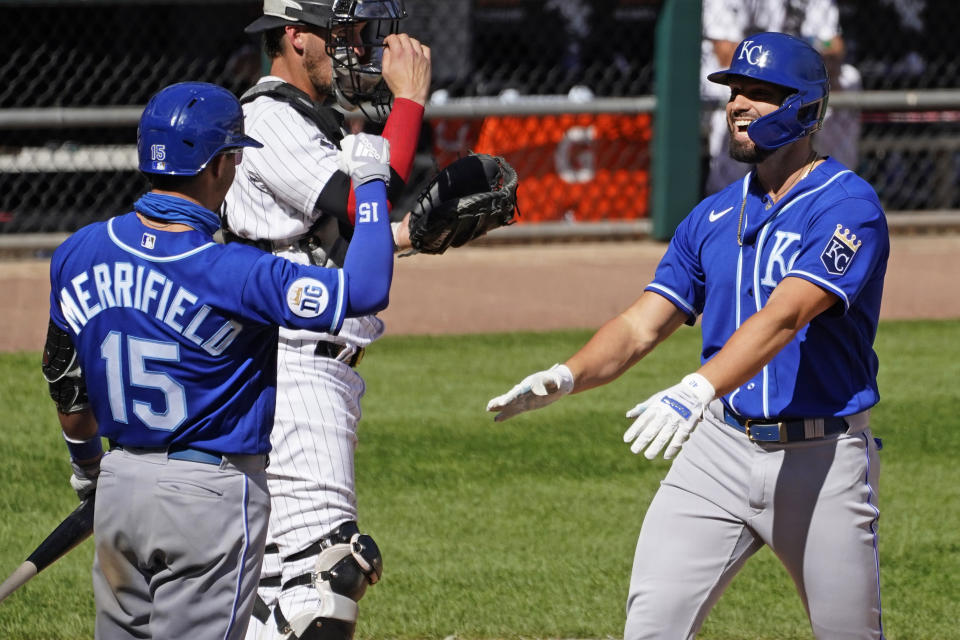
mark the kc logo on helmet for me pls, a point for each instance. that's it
(753, 54)
(840, 250)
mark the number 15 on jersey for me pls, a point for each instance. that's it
(367, 212)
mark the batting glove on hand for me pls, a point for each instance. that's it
(668, 415)
(84, 478)
(535, 391)
(364, 157)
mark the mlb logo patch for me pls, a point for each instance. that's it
(840, 250)
(148, 241)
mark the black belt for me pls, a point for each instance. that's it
(334, 350)
(787, 429)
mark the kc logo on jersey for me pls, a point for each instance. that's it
(308, 298)
(840, 250)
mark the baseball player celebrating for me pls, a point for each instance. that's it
(179, 335)
(289, 198)
(786, 269)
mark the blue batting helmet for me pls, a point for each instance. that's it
(791, 63)
(185, 125)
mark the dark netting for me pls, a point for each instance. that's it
(93, 54)
(903, 44)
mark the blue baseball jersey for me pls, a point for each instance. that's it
(177, 335)
(829, 230)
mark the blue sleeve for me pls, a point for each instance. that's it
(63, 311)
(679, 276)
(293, 295)
(56, 267)
(843, 247)
(369, 263)
(308, 297)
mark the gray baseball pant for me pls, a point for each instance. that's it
(813, 503)
(178, 545)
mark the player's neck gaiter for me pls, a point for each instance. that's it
(174, 209)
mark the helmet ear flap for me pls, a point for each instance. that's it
(811, 114)
(792, 121)
(778, 128)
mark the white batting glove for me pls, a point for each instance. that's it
(535, 391)
(670, 416)
(84, 478)
(364, 157)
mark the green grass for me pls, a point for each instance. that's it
(526, 529)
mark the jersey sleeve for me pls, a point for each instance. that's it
(296, 296)
(59, 315)
(842, 248)
(56, 315)
(295, 163)
(679, 276)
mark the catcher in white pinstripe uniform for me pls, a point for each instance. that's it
(290, 199)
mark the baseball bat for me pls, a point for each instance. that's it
(74, 529)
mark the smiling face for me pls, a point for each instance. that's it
(750, 99)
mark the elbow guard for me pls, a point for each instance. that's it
(62, 372)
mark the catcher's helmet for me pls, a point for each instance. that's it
(185, 125)
(356, 78)
(791, 63)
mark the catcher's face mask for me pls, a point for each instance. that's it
(357, 62)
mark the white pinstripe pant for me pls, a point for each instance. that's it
(311, 472)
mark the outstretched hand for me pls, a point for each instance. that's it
(533, 392)
(670, 415)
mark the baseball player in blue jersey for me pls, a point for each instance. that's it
(165, 343)
(785, 268)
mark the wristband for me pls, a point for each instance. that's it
(84, 449)
(394, 230)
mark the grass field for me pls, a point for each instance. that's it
(526, 529)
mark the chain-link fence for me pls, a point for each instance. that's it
(76, 73)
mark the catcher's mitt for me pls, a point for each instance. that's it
(470, 197)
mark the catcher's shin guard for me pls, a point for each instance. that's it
(348, 562)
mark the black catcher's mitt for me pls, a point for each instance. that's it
(470, 197)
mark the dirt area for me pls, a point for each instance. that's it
(535, 287)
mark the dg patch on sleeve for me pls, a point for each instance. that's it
(840, 251)
(308, 297)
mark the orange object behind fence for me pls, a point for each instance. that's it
(572, 167)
